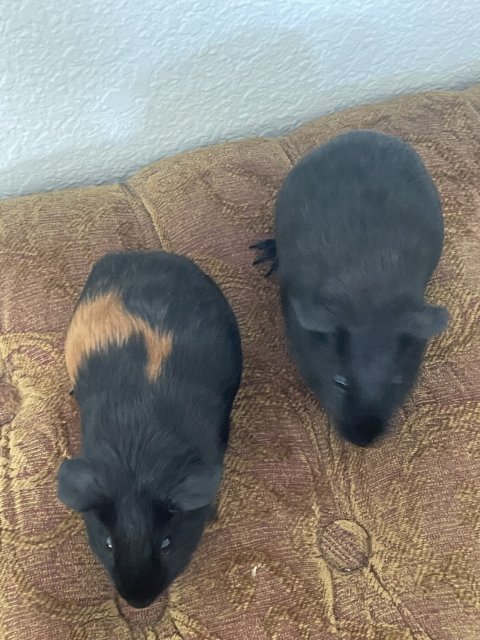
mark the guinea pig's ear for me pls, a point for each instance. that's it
(313, 317)
(77, 486)
(198, 488)
(426, 322)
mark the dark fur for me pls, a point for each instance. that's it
(358, 234)
(152, 452)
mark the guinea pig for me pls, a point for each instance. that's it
(154, 356)
(358, 234)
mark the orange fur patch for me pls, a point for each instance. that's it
(104, 321)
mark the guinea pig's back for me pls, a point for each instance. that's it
(363, 202)
(144, 316)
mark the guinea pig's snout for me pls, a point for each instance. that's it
(140, 602)
(364, 430)
(140, 591)
(138, 596)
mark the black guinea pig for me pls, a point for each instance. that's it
(358, 234)
(154, 355)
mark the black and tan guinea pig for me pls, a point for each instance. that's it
(358, 234)
(154, 355)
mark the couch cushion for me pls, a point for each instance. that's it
(315, 538)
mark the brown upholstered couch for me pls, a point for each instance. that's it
(315, 539)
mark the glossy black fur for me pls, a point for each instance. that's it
(358, 234)
(152, 453)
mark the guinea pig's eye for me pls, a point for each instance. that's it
(341, 382)
(165, 543)
(109, 543)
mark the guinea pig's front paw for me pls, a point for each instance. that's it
(268, 253)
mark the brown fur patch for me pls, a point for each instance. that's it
(104, 321)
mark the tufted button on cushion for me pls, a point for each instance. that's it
(138, 617)
(345, 545)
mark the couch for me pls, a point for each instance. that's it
(315, 539)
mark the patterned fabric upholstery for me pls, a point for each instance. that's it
(315, 539)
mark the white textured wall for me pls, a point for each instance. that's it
(90, 90)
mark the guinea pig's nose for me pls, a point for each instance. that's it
(140, 603)
(363, 431)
